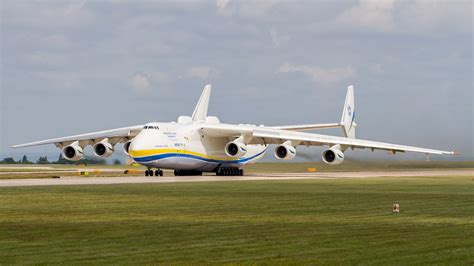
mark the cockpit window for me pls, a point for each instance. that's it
(151, 127)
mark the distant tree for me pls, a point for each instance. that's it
(8, 160)
(24, 160)
(91, 160)
(62, 160)
(42, 160)
(117, 162)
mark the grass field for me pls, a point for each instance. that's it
(314, 222)
(293, 167)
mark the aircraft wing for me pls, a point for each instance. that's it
(114, 136)
(267, 135)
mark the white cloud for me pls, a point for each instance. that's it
(45, 59)
(278, 39)
(160, 77)
(416, 16)
(55, 41)
(222, 4)
(247, 9)
(201, 72)
(433, 15)
(48, 15)
(369, 14)
(61, 80)
(320, 75)
(140, 83)
(144, 82)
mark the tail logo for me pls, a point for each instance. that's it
(349, 111)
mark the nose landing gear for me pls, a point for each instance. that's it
(150, 172)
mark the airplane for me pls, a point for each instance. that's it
(201, 143)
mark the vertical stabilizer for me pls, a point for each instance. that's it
(348, 114)
(200, 112)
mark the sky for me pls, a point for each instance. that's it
(70, 67)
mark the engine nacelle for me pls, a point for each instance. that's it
(103, 149)
(126, 147)
(285, 152)
(73, 152)
(235, 149)
(333, 156)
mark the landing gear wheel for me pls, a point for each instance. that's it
(159, 173)
(229, 171)
(147, 173)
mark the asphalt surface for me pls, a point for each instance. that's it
(210, 178)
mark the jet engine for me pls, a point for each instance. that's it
(73, 152)
(285, 152)
(333, 156)
(103, 149)
(126, 147)
(235, 149)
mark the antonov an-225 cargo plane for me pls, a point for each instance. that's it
(201, 143)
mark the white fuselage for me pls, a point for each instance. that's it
(182, 147)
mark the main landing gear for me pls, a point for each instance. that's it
(229, 171)
(150, 172)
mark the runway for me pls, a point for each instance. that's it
(212, 178)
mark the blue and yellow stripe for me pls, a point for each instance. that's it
(145, 156)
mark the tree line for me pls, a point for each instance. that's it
(60, 160)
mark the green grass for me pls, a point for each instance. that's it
(293, 167)
(312, 222)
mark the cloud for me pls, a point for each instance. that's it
(434, 15)
(320, 75)
(395, 16)
(201, 72)
(160, 77)
(45, 59)
(369, 14)
(48, 15)
(222, 4)
(60, 80)
(246, 9)
(278, 39)
(140, 83)
(144, 82)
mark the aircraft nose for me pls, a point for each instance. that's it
(137, 146)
